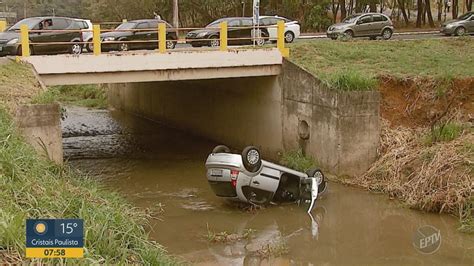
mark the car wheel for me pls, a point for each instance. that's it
(260, 41)
(76, 48)
(90, 46)
(251, 159)
(221, 149)
(170, 44)
(460, 31)
(289, 37)
(19, 51)
(349, 34)
(124, 46)
(215, 42)
(387, 34)
(318, 174)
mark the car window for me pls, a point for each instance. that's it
(365, 19)
(246, 22)
(233, 23)
(377, 18)
(465, 16)
(32, 23)
(143, 25)
(60, 24)
(266, 21)
(153, 24)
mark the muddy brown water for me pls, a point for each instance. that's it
(162, 169)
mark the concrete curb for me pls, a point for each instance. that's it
(322, 35)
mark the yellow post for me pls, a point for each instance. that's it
(25, 40)
(162, 38)
(96, 40)
(223, 36)
(285, 52)
(3, 25)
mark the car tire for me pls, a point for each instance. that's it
(349, 34)
(76, 48)
(289, 37)
(251, 159)
(460, 31)
(315, 172)
(260, 41)
(89, 46)
(214, 42)
(19, 51)
(170, 44)
(387, 34)
(123, 47)
(221, 149)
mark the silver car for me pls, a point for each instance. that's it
(461, 26)
(247, 178)
(363, 25)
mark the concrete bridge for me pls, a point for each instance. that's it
(238, 98)
(151, 66)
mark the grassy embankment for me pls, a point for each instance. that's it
(427, 87)
(92, 96)
(32, 187)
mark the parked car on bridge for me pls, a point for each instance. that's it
(461, 26)
(239, 32)
(292, 28)
(86, 27)
(247, 178)
(370, 25)
(43, 42)
(137, 34)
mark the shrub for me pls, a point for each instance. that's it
(349, 80)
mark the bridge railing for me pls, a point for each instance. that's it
(166, 38)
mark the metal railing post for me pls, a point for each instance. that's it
(96, 40)
(25, 40)
(285, 52)
(223, 36)
(162, 38)
(3, 25)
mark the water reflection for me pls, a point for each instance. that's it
(160, 168)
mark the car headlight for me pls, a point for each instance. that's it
(450, 25)
(12, 41)
(201, 34)
(109, 39)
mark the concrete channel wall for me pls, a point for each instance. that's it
(41, 127)
(291, 111)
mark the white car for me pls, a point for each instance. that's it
(86, 27)
(247, 178)
(292, 27)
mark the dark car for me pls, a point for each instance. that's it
(239, 31)
(461, 26)
(10, 39)
(137, 34)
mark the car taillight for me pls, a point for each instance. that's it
(233, 177)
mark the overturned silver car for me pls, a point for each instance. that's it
(247, 178)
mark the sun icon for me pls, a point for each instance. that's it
(41, 228)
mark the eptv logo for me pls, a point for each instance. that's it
(427, 239)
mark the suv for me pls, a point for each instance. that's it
(10, 39)
(460, 26)
(137, 34)
(239, 31)
(363, 25)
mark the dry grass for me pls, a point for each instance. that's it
(434, 178)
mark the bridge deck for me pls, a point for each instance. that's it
(151, 66)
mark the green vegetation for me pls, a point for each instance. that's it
(32, 187)
(444, 132)
(428, 58)
(92, 96)
(225, 237)
(350, 80)
(297, 160)
(17, 82)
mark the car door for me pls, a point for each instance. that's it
(470, 24)
(140, 35)
(41, 40)
(271, 26)
(61, 24)
(152, 35)
(377, 24)
(363, 26)
(264, 185)
(233, 31)
(246, 30)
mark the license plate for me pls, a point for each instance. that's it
(216, 172)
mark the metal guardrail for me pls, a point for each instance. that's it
(97, 42)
